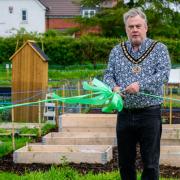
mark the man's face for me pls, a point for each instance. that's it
(136, 30)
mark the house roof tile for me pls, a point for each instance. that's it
(61, 7)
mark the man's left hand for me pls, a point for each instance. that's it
(132, 88)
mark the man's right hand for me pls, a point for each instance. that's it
(116, 89)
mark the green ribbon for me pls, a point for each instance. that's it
(101, 95)
(104, 96)
(160, 97)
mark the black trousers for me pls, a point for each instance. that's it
(141, 126)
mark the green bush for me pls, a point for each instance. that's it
(70, 51)
(7, 48)
(6, 146)
(5, 115)
(26, 130)
(47, 128)
(3, 130)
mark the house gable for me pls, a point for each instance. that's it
(41, 4)
(17, 14)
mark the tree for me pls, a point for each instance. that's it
(162, 20)
(89, 3)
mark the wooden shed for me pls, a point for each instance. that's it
(29, 80)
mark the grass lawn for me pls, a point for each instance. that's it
(20, 141)
(65, 173)
(6, 146)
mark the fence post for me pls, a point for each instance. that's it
(56, 114)
(170, 107)
(63, 93)
(13, 139)
(79, 93)
(164, 91)
(39, 119)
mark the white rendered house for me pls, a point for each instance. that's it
(17, 14)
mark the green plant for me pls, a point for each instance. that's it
(52, 33)
(3, 130)
(6, 146)
(26, 130)
(64, 161)
(5, 115)
(66, 173)
(47, 128)
(65, 50)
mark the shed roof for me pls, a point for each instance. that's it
(34, 46)
(61, 7)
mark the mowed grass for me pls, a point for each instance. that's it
(6, 147)
(65, 173)
(20, 141)
(74, 74)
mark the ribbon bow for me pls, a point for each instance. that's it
(102, 95)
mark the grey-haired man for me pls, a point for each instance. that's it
(139, 65)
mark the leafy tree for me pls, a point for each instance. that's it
(162, 20)
(111, 22)
(89, 3)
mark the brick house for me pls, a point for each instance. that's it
(41, 15)
(60, 14)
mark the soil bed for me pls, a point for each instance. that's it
(6, 164)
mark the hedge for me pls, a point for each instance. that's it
(85, 50)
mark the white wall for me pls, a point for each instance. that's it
(174, 76)
(35, 16)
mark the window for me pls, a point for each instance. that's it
(88, 13)
(24, 15)
(10, 9)
(92, 13)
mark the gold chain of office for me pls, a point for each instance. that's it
(137, 69)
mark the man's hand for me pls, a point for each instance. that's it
(132, 88)
(116, 89)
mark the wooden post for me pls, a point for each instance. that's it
(90, 82)
(56, 114)
(13, 139)
(39, 118)
(63, 93)
(60, 123)
(79, 93)
(164, 95)
(170, 107)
